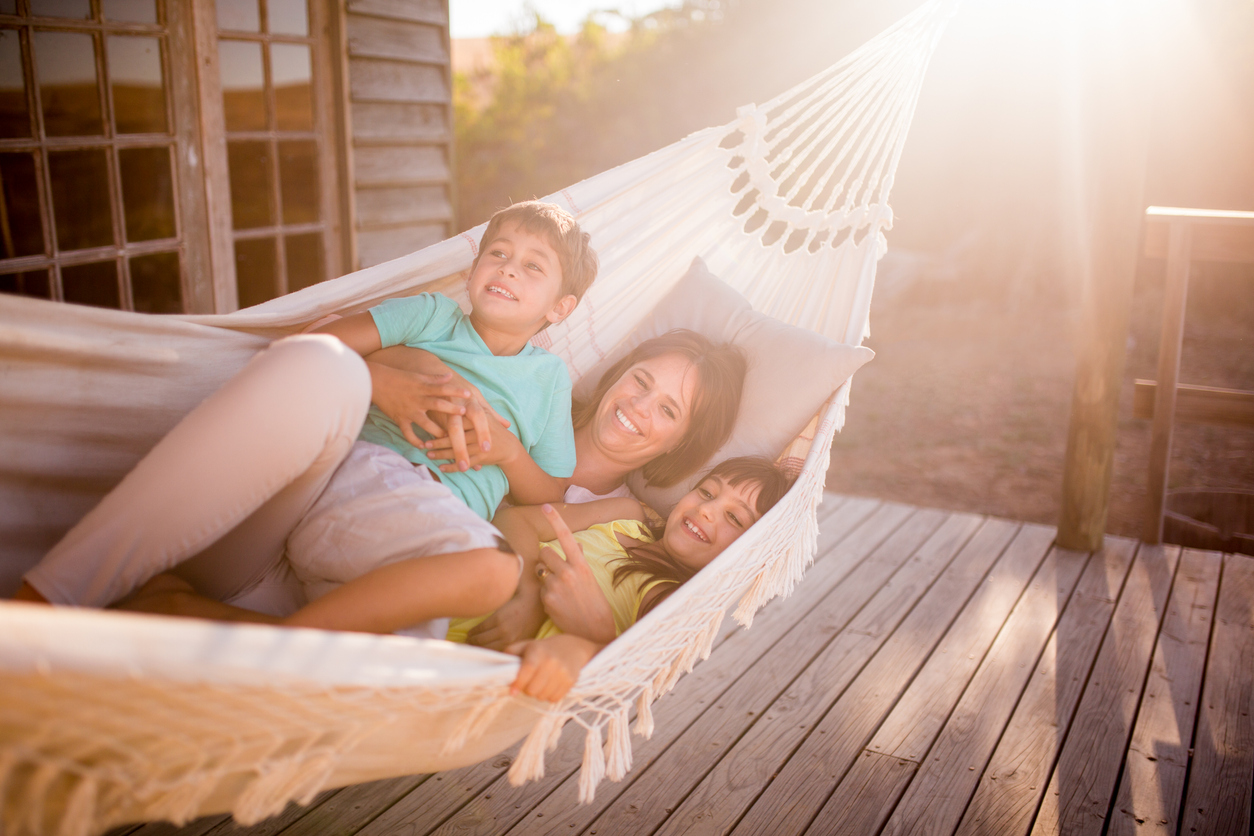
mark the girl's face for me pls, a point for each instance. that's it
(708, 519)
(646, 412)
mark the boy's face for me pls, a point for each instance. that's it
(515, 288)
(708, 519)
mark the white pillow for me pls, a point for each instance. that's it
(791, 373)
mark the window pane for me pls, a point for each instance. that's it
(293, 86)
(33, 283)
(155, 285)
(14, 118)
(255, 268)
(23, 230)
(78, 9)
(65, 63)
(304, 261)
(92, 284)
(298, 178)
(251, 201)
(288, 17)
(134, 11)
(138, 86)
(80, 199)
(243, 86)
(147, 193)
(240, 15)
(8, 7)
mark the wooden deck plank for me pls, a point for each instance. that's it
(1082, 785)
(507, 804)
(735, 783)
(936, 799)
(1015, 778)
(352, 808)
(1152, 786)
(803, 784)
(1219, 790)
(868, 793)
(693, 696)
(644, 806)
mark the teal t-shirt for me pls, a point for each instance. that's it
(531, 389)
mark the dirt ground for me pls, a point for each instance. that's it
(966, 404)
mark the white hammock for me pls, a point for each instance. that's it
(109, 717)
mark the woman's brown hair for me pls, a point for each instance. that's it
(712, 414)
(652, 559)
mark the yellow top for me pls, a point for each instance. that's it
(601, 549)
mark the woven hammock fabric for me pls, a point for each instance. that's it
(109, 717)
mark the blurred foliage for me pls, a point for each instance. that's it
(552, 110)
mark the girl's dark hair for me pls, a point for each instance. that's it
(712, 415)
(652, 559)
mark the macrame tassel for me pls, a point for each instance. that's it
(618, 747)
(644, 713)
(181, 803)
(753, 600)
(593, 768)
(79, 817)
(475, 723)
(36, 796)
(297, 778)
(529, 765)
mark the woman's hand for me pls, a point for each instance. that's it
(520, 618)
(568, 590)
(550, 667)
(399, 374)
(502, 448)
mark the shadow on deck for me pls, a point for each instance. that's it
(935, 671)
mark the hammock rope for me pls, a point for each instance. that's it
(109, 717)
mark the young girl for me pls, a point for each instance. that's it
(634, 570)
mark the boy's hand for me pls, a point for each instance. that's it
(519, 619)
(550, 667)
(408, 398)
(571, 596)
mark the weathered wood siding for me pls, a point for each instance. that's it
(399, 112)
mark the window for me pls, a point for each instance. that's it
(111, 142)
(87, 166)
(279, 151)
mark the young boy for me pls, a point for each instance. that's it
(388, 502)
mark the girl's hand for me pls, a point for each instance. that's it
(550, 666)
(568, 590)
(519, 619)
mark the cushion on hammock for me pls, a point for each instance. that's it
(792, 371)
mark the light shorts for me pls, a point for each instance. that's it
(380, 508)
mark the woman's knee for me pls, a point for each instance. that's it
(320, 363)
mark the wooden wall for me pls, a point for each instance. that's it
(400, 125)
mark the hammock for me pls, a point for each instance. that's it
(110, 717)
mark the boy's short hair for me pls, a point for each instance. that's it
(577, 259)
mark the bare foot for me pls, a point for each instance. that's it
(26, 592)
(168, 594)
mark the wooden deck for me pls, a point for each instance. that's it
(935, 672)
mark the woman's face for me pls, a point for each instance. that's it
(647, 411)
(708, 519)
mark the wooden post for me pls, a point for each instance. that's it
(1171, 337)
(1114, 143)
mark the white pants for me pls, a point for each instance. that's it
(216, 499)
